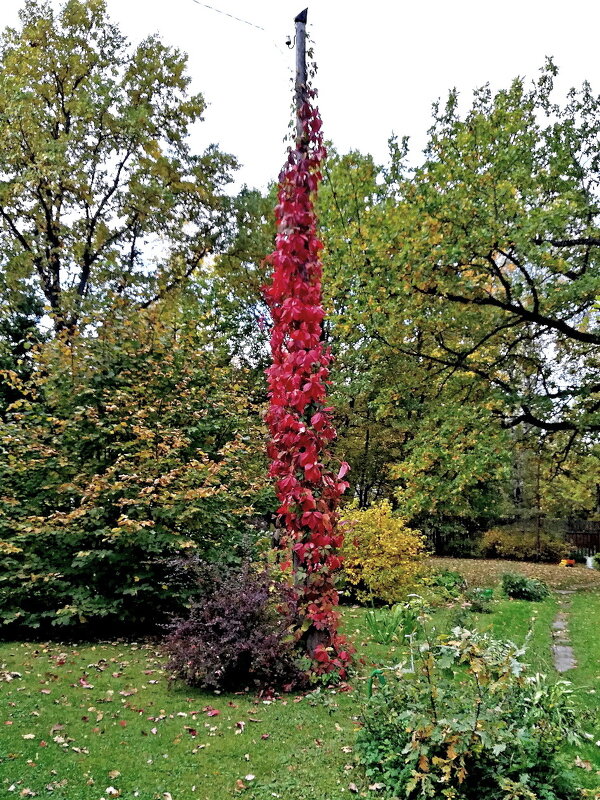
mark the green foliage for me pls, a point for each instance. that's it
(386, 623)
(96, 163)
(469, 723)
(450, 282)
(480, 600)
(517, 544)
(129, 439)
(406, 432)
(383, 558)
(450, 582)
(461, 306)
(569, 481)
(391, 410)
(20, 315)
(501, 219)
(127, 448)
(454, 537)
(520, 587)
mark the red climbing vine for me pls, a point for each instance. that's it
(299, 420)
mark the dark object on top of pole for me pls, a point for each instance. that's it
(301, 74)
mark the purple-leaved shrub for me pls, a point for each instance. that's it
(237, 635)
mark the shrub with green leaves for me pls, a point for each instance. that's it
(450, 583)
(469, 724)
(480, 600)
(128, 448)
(520, 587)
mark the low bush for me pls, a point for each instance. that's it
(451, 583)
(237, 636)
(480, 600)
(474, 601)
(519, 545)
(383, 558)
(577, 557)
(469, 724)
(386, 623)
(520, 587)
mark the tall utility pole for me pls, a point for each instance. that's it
(301, 74)
(301, 96)
(308, 486)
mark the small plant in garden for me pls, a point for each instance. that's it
(520, 587)
(385, 623)
(474, 601)
(383, 558)
(237, 636)
(480, 600)
(469, 724)
(446, 583)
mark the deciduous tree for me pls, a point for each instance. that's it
(100, 193)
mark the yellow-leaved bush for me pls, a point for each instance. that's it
(383, 558)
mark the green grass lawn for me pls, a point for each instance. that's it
(585, 613)
(87, 722)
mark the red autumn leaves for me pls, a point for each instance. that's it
(299, 421)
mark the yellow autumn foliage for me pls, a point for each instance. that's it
(383, 558)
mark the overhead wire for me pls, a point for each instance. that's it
(231, 16)
(242, 20)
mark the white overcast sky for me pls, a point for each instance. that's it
(381, 63)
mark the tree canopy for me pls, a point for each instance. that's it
(100, 194)
(459, 302)
(461, 299)
(498, 235)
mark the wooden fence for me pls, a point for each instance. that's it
(584, 536)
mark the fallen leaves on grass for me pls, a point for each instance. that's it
(486, 572)
(7, 676)
(587, 765)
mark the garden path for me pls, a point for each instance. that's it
(562, 651)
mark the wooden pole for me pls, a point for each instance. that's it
(538, 502)
(300, 92)
(301, 73)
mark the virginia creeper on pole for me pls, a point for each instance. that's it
(299, 419)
